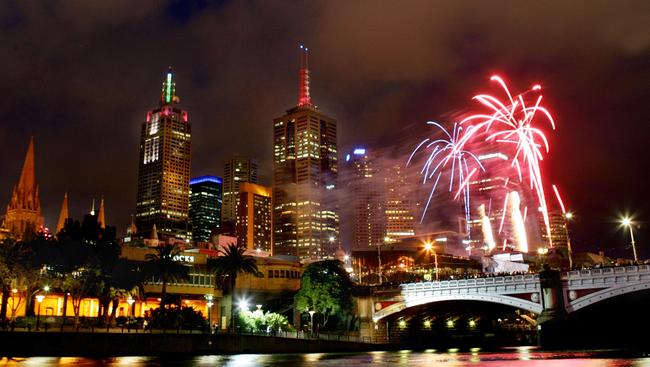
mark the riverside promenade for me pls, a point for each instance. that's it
(117, 343)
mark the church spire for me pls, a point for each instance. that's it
(27, 183)
(24, 210)
(132, 230)
(63, 215)
(154, 233)
(101, 219)
(303, 88)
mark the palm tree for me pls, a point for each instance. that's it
(163, 266)
(230, 263)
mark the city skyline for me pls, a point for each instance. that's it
(574, 163)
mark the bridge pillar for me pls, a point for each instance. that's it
(551, 323)
(365, 312)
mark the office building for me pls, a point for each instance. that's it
(365, 198)
(236, 170)
(164, 169)
(205, 206)
(255, 217)
(305, 169)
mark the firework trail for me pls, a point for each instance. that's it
(445, 155)
(511, 124)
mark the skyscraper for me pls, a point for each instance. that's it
(365, 199)
(23, 217)
(164, 170)
(399, 208)
(306, 222)
(236, 170)
(205, 206)
(254, 217)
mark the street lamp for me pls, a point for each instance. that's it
(567, 217)
(311, 317)
(39, 298)
(627, 222)
(209, 297)
(130, 301)
(428, 247)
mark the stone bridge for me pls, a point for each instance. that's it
(549, 292)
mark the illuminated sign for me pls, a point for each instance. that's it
(183, 258)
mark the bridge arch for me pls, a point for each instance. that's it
(422, 300)
(605, 294)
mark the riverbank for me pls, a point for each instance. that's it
(118, 344)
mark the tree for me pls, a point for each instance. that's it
(260, 321)
(232, 262)
(14, 271)
(325, 288)
(165, 268)
(125, 281)
(81, 283)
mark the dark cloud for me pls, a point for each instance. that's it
(81, 75)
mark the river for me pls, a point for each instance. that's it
(508, 357)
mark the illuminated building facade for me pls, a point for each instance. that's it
(305, 170)
(366, 197)
(255, 217)
(164, 170)
(505, 215)
(23, 217)
(236, 170)
(205, 206)
(559, 233)
(400, 222)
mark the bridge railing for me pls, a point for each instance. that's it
(611, 270)
(475, 282)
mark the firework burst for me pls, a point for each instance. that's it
(513, 124)
(445, 155)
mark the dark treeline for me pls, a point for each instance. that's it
(82, 260)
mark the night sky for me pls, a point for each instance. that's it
(80, 76)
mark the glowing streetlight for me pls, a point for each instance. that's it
(209, 298)
(243, 305)
(130, 301)
(627, 222)
(428, 247)
(567, 217)
(39, 298)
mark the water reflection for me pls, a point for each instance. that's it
(515, 357)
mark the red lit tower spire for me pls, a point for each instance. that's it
(304, 98)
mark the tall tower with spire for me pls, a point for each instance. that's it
(63, 215)
(164, 168)
(101, 216)
(305, 170)
(23, 217)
